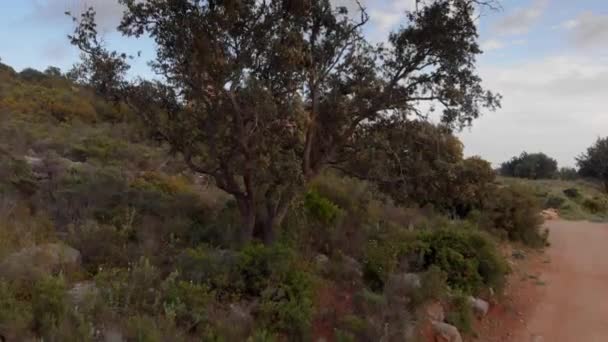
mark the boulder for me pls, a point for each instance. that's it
(35, 262)
(446, 332)
(402, 284)
(434, 311)
(480, 307)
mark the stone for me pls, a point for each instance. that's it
(435, 312)
(550, 214)
(322, 262)
(35, 262)
(351, 267)
(480, 307)
(446, 332)
(82, 291)
(518, 254)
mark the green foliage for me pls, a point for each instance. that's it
(596, 205)
(470, 259)
(513, 212)
(49, 304)
(555, 202)
(530, 165)
(16, 314)
(594, 162)
(320, 207)
(461, 314)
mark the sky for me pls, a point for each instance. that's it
(547, 58)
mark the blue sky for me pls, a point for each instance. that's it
(548, 58)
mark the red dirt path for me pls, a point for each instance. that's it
(558, 296)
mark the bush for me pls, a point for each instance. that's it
(596, 205)
(568, 173)
(572, 193)
(320, 208)
(49, 304)
(460, 314)
(470, 259)
(555, 202)
(15, 314)
(513, 212)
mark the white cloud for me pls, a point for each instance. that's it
(588, 30)
(555, 105)
(492, 44)
(520, 21)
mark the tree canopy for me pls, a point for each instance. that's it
(264, 95)
(594, 162)
(530, 165)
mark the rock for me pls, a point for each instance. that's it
(434, 311)
(403, 282)
(35, 262)
(322, 262)
(351, 267)
(82, 291)
(518, 254)
(238, 322)
(550, 214)
(480, 307)
(446, 332)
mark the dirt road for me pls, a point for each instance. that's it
(568, 299)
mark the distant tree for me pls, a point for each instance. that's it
(568, 173)
(52, 71)
(530, 165)
(32, 75)
(264, 95)
(594, 163)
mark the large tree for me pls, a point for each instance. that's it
(530, 165)
(264, 95)
(594, 163)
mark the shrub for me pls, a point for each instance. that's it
(470, 259)
(555, 202)
(49, 304)
(568, 173)
(320, 208)
(513, 212)
(461, 314)
(596, 205)
(186, 303)
(572, 193)
(15, 314)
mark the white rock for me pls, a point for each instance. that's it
(446, 332)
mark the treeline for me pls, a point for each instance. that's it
(592, 164)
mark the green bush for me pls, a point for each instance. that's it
(15, 314)
(49, 304)
(596, 205)
(470, 259)
(320, 208)
(513, 212)
(461, 314)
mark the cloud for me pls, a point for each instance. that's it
(588, 30)
(385, 18)
(47, 12)
(520, 21)
(555, 105)
(492, 44)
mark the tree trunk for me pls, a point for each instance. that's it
(248, 220)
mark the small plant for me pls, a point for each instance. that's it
(461, 314)
(596, 205)
(320, 208)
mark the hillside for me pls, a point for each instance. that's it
(575, 199)
(105, 232)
